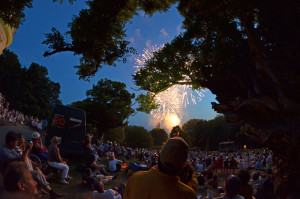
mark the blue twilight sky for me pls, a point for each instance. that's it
(143, 32)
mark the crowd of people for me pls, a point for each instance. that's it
(220, 161)
(172, 172)
(11, 116)
(200, 172)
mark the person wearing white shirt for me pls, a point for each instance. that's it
(100, 193)
(114, 164)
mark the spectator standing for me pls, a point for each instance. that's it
(208, 161)
(199, 166)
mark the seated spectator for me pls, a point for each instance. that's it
(118, 150)
(187, 177)
(114, 165)
(266, 190)
(36, 173)
(87, 177)
(55, 160)
(7, 152)
(92, 162)
(38, 146)
(100, 193)
(87, 145)
(18, 182)
(231, 187)
(246, 189)
(256, 182)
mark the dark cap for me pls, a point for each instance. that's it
(174, 152)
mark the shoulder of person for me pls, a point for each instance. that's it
(110, 192)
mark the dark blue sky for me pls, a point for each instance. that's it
(143, 32)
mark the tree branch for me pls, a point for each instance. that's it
(47, 53)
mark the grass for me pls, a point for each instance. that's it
(76, 190)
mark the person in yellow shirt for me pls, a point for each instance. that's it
(162, 182)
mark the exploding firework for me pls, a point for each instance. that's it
(170, 101)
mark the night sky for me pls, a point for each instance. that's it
(143, 32)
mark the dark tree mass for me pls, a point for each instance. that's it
(108, 105)
(28, 90)
(247, 54)
(159, 136)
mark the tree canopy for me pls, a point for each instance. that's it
(138, 137)
(116, 134)
(159, 136)
(98, 33)
(107, 106)
(207, 134)
(29, 90)
(247, 54)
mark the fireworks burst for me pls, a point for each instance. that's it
(171, 100)
(169, 103)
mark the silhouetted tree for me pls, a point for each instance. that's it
(28, 90)
(138, 137)
(108, 105)
(159, 136)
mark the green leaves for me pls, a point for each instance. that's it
(97, 34)
(108, 105)
(146, 102)
(56, 42)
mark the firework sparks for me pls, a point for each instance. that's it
(169, 103)
(174, 98)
